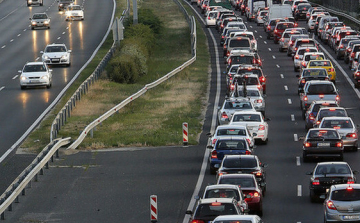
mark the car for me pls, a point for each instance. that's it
(238, 218)
(301, 42)
(249, 35)
(249, 69)
(255, 122)
(40, 20)
(237, 42)
(299, 54)
(340, 49)
(226, 191)
(280, 28)
(269, 26)
(355, 61)
(356, 77)
(292, 40)
(322, 142)
(250, 188)
(346, 128)
(342, 203)
(208, 209)
(349, 48)
(230, 106)
(62, 4)
(301, 10)
(327, 64)
(255, 97)
(322, 25)
(227, 145)
(329, 112)
(244, 164)
(226, 130)
(311, 56)
(351, 55)
(327, 28)
(56, 54)
(284, 40)
(74, 12)
(259, 19)
(34, 2)
(314, 108)
(228, 19)
(211, 19)
(326, 174)
(242, 58)
(35, 74)
(248, 81)
(318, 90)
(309, 74)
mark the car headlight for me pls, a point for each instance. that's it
(45, 77)
(33, 22)
(22, 78)
(65, 56)
(45, 57)
(46, 21)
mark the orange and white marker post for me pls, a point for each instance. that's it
(185, 134)
(153, 208)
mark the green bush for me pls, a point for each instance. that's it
(147, 17)
(124, 69)
(141, 35)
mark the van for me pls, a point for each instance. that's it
(279, 11)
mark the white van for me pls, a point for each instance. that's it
(279, 11)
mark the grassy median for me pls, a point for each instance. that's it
(156, 118)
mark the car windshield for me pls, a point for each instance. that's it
(247, 118)
(231, 144)
(39, 16)
(242, 181)
(336, 124)
(226, 193)
(237, 105)
(52, 49)
(35, 68)
(323, 134)
(314, 73)
(350, 194)
(224, 132)
(321, 89)
(332, 169)
(214, 209)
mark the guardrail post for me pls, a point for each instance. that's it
(91, 133)
(17, 199)
(41, 171)
(10, 207)
(57, 153)
(3, 216)
(36, 177)
(23, 192)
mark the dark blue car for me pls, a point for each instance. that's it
(313, 109)
(235, 145)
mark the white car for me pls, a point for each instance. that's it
(74, 12)
(35, 74)
(232, 105)
(228, 130)
(238, 218)
(55, 54)
(255, 97)
(40, 20)
(211, 18)
(300, 54)
(254, 121)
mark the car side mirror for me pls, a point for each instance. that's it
(264, 164)
(267, 119)
(309, 173)
(189, 212)
(209, 134)
(297, 75)
(355, 172)
(209, 147)
(29, 18)
(19, 71)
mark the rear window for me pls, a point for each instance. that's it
(332, 112)
(320, 63)
(346, 195)
(242, 60)
(302, 51)
(336, 124)
(252, 71)
(283, 26)
(224, 132)
(239, 42)
(231, 144)
(239, 163)
(232, 221)
(226, 193)
(237, 105)
(333, 168)
(247, 118)
(314, 57)
(324, 134)
(250, 93)
(243, 181)
(215, 209)
(321, 89)
(314, 73)
(318, 106)
(248, 80)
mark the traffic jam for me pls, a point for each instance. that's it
(239, 187)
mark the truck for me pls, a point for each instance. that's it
(279, 11)
(223, 3)
(253, 6)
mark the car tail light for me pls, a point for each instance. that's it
(248, 140)
(295, 49)
(261, 127)
(339, 144)
(268, 27)
(258, 173)
(232, 87)
(224, 115)
(282, 40)
(321, 96)
(348, 49)
(258, 101)
(337, 98)
(247, 152)
(330, 205)
(305, 98)
(316, 181)
(352, 55)
(262, 79)
(222, 37)
(297, 57)
(303, 63)
(197, 221)
(331, 70)
(221, 173)
(318, 122)
(350, 180)
(357, 73)
(275, 31)
(351, 135)
(307, 144)
(214, 154)
(290, 43)
(214, 141)
(303, 81)
(341, 46)
(228, 53)
(229, 61)
(311, 116)
(259, 86)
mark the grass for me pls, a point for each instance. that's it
(156, 118)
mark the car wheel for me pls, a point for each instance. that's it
(346, 60)
(32, 28)
(313, 198)
(22, 87)
(268, 36)
(212, 171)
(303, 114)
(257, 24)
(355, 148)
(325, 220)
(341, 158)
(305, 158)
(260, 213)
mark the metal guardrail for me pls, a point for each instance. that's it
(19, 185)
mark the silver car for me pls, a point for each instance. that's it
(35, 74)
(255, 97)
(346, 128)
(238, 218)
(40, 20)
(284, 41)
(232, 105)
(342, 203)
(55, 54)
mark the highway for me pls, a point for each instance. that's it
(19, 44)
(115, 185)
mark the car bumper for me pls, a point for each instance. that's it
(75, 17)
(350, 142)
(323, 152)
(57, 61)
(335, 216)
(37, 82)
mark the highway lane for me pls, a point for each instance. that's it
(19, 44)
(287, 190)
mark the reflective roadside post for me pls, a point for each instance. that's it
(185, 134)
(153, 209)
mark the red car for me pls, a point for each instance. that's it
(280, 28)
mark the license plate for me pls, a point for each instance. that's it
(34, 81)
(55, 60)
(323, 144)
(351, 217)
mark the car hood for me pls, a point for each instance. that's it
(34, 74)
(55, 54)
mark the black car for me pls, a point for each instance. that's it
(301, 10)
(326, 174)
(323, 142)
(244, 164)
(62, 4)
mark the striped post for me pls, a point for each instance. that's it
(185, 134)
(153, 208)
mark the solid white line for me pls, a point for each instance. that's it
(3, 47)
(296, 138)
(286, 88)
(282, 75)
(299, 191)
(15, 77)
(298, 161)
(289, 101)
(292, 117)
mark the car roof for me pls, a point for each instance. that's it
(231, 137)
(231, 127)
(212, 200)
(332, 108)
(35, 63)
(344, 186)
(221, 186)
(248, 175)
(331, 163)
(236, 217)
(336, 118)
(240, 156)
(318, 82)
(247, 112)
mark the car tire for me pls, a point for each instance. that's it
(22, 87)
(313, 198)
(268, 36)
(212, 171)
(305, 158)
(260, 213)
(303, 114)
(32, 28)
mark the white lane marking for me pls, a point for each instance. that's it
(19, 35)
(11, 40)
(299, 191)
(63, 33)
(15, 77)
(296, 138)
(292, 117)
(282, 75)
(250, 26)
(3, 47)
(260, 37)
(298, 161)
(277, 65)
(265, 42)
(273, 57)
(255, 31)
(286, 88)
(25, 29)
(67, 27)
(269, 49)
(289, 101)
(37, 58)
(2, 88)
(59, 37)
